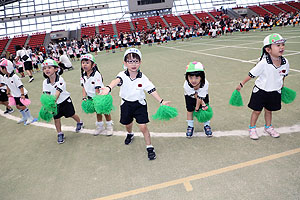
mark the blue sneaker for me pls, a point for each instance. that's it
(60, 138)
(189, 131)
(79, 126)
(207, 130)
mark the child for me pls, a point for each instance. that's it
(196, 95)
(16, 90)
(91, 82)
(3, 94)
(132, 82)
(55, 85)
(271, 71)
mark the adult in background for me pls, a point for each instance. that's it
(23, 56)
(64, 61)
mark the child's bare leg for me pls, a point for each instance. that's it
(189, 116)
(129, 127)
(146, 133)
(99, 117)
(57, 124)
(76, 118)
(107, 117)
(268, 117)
(254, 117)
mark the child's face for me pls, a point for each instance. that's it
(194, 80)
(87, 65)
(276, 50)
(49, 70)
(132, 64)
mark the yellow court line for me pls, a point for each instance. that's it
(186, 181)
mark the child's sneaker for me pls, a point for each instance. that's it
(207, 130)
(8, 111)
(99, 129)
(253, 134)
(79, 126)
(128, 139)
(22, 121)
(189, 131)
(151, 153)
(272, 132)
(30, 80)
(29, 121)
(60, 138)
(109, 130)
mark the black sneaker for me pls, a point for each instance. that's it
(8, 111)
(151, 153)
(79, 126)
(189, 131)
(208, 131)
(60, 138)
(128, 139)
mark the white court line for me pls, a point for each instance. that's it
(281, 130)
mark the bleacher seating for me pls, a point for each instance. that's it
(156, 20)
(204, 16)
(272, 9)
(259, 10)
(88, 31)
(16, 41)
(286, 7)
(173, 20)
(218, 14)
(36, 40)
(294, 4)
(106, 29)
(3, 43)
(189, 19)
(123, 26)
(139, 24)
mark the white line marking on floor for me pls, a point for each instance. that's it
(281, 130)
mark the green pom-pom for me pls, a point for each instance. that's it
(44, 114)
(287, 95)
(165, 113)
(49, 104)
(88, 106)
(103, 104)
(204, 115)
(236, 99)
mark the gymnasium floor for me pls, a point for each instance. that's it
(227, 166)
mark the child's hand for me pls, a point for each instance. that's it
(239, 87)
(204, 107)
(104, 91)
(23, 96)
(166, 103)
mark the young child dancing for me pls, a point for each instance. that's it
(270, 71)
(16, 89)
(55, 85)
(91, 81)
(132, 84)
(196, 95)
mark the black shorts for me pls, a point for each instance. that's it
(130, 110)
(3, 95)
(190, 102)
(18, 102)
(72, 56)
(28, 65)
(77, 55)
(21, 69)
(261, 99)
(65, 109)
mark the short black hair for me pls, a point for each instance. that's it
(132, 55)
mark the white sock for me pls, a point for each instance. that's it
(99, 123)
(190, 123)
(149, 146)
(109, 123)
(207, 123)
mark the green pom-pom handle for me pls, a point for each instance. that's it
(103, 104)
(204, 115)
(288, 95)
(165, 113)
(88, 106)
(236, 99)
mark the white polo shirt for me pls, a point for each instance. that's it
(270, 78)
(14, 83)
(21, 53)
(190, 91)
(133, 89)
(59, 85)
(92, 83)
(2, 82)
